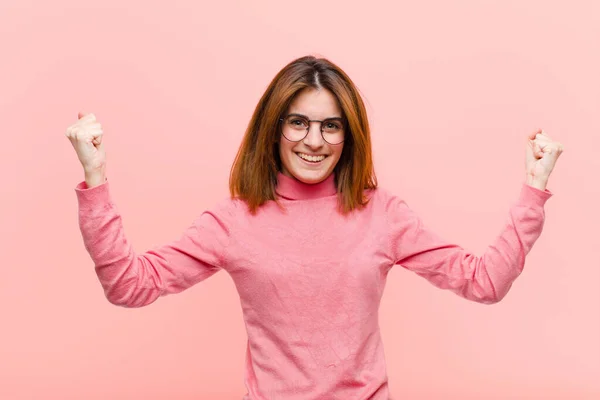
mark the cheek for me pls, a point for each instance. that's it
(338, 152)
(286, 153)
(285, 150)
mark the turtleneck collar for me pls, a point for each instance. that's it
(293, 189)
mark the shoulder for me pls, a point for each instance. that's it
(224, 212)
(383, 198)
(392, 206)
(228, 208)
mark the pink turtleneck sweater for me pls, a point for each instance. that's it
(310, 280)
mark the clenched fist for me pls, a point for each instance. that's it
(86, 137)
(542, 154)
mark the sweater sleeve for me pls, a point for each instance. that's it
(486, 278)
(136, 280)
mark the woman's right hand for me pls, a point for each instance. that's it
(86, 137)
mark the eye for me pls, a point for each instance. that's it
(297, 122)
(332, 125)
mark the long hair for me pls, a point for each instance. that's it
(253, 176)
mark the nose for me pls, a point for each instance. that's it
(314, 139)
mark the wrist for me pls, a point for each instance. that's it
(94, 178)
(537, 182)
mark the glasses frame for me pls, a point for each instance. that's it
(341, 120)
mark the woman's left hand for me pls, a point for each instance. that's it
(542, 153)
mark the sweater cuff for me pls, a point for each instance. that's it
(534, 196)
(92, 198)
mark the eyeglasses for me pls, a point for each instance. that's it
(295, 128)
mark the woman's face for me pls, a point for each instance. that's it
(314, 104)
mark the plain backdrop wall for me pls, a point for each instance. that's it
(452, 87)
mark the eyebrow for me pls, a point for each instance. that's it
(304, 116)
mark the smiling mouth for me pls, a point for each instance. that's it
(311, 159)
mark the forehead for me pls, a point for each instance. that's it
(316, 104)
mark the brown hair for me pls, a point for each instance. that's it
(254, 171)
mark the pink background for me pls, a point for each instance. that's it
(452, 88)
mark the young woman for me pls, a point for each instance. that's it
(308, 238)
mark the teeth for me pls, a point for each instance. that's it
(311, 158)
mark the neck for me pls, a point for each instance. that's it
(293, 189)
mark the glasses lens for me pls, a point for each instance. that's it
(295, 128)
(333, 131)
